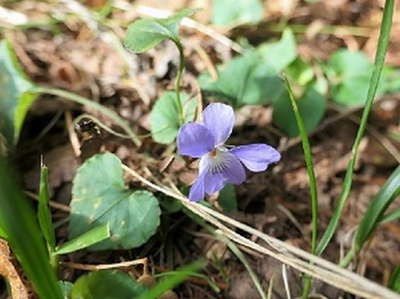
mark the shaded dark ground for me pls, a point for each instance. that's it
(275, 202)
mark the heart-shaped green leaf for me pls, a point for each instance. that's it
(100, 196)
(300, 71)
(312, 107)
(164, 117)
(107, 284)
(281, 53)
(15, 98)
(244, 81)
(350, 72)
(144, 34)
(227, 13)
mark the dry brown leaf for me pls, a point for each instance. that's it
(8, 271)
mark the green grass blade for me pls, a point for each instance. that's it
(17, 220)
(44, 214)
(173, 280)
(310, 167)
(394, 283)
(232, 246)
(93, 236)
(387, 218)
(373, 85)
(311, 178)
(2, 234)
(377, 207)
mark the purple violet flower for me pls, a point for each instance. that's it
(218, 164)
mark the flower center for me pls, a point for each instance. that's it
(213, 154)
(217, 159)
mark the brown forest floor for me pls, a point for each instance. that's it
(275, 202)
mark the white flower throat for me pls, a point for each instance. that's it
(218, 159)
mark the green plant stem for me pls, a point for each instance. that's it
(348, 257)
(178, 80)
(84, 101)
(311, 178)
(54, 261)
(374, 81)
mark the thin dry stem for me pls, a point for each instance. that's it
(53, 204)
(285, 253)
(87, 267)
(73, 138)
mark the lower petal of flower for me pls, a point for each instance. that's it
(231, 169)
(213, 182)
(197, 191)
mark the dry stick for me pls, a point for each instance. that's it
(287, 254)
(285, 282)
(73, 138)
(52, 204)
(142, 261)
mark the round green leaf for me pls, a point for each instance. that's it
(244, 81)
(228, 13)
(106, 284)
(164, 117)
(350, 73)
(349, 64)
(144, 34)
(279, 54)
(100, 197)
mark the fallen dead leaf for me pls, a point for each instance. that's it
(8, 271)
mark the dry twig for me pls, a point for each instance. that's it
(87, 267)
(285, 253)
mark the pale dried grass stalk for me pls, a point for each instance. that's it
(285, 253)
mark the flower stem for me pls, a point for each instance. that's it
(348, 258)
(178, 80)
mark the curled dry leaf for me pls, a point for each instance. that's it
(8, 271)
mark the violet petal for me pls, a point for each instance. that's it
(197, 191)
(256, 157)
(195, 140)
(219, 119)
(213, 182)
(232, 170)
